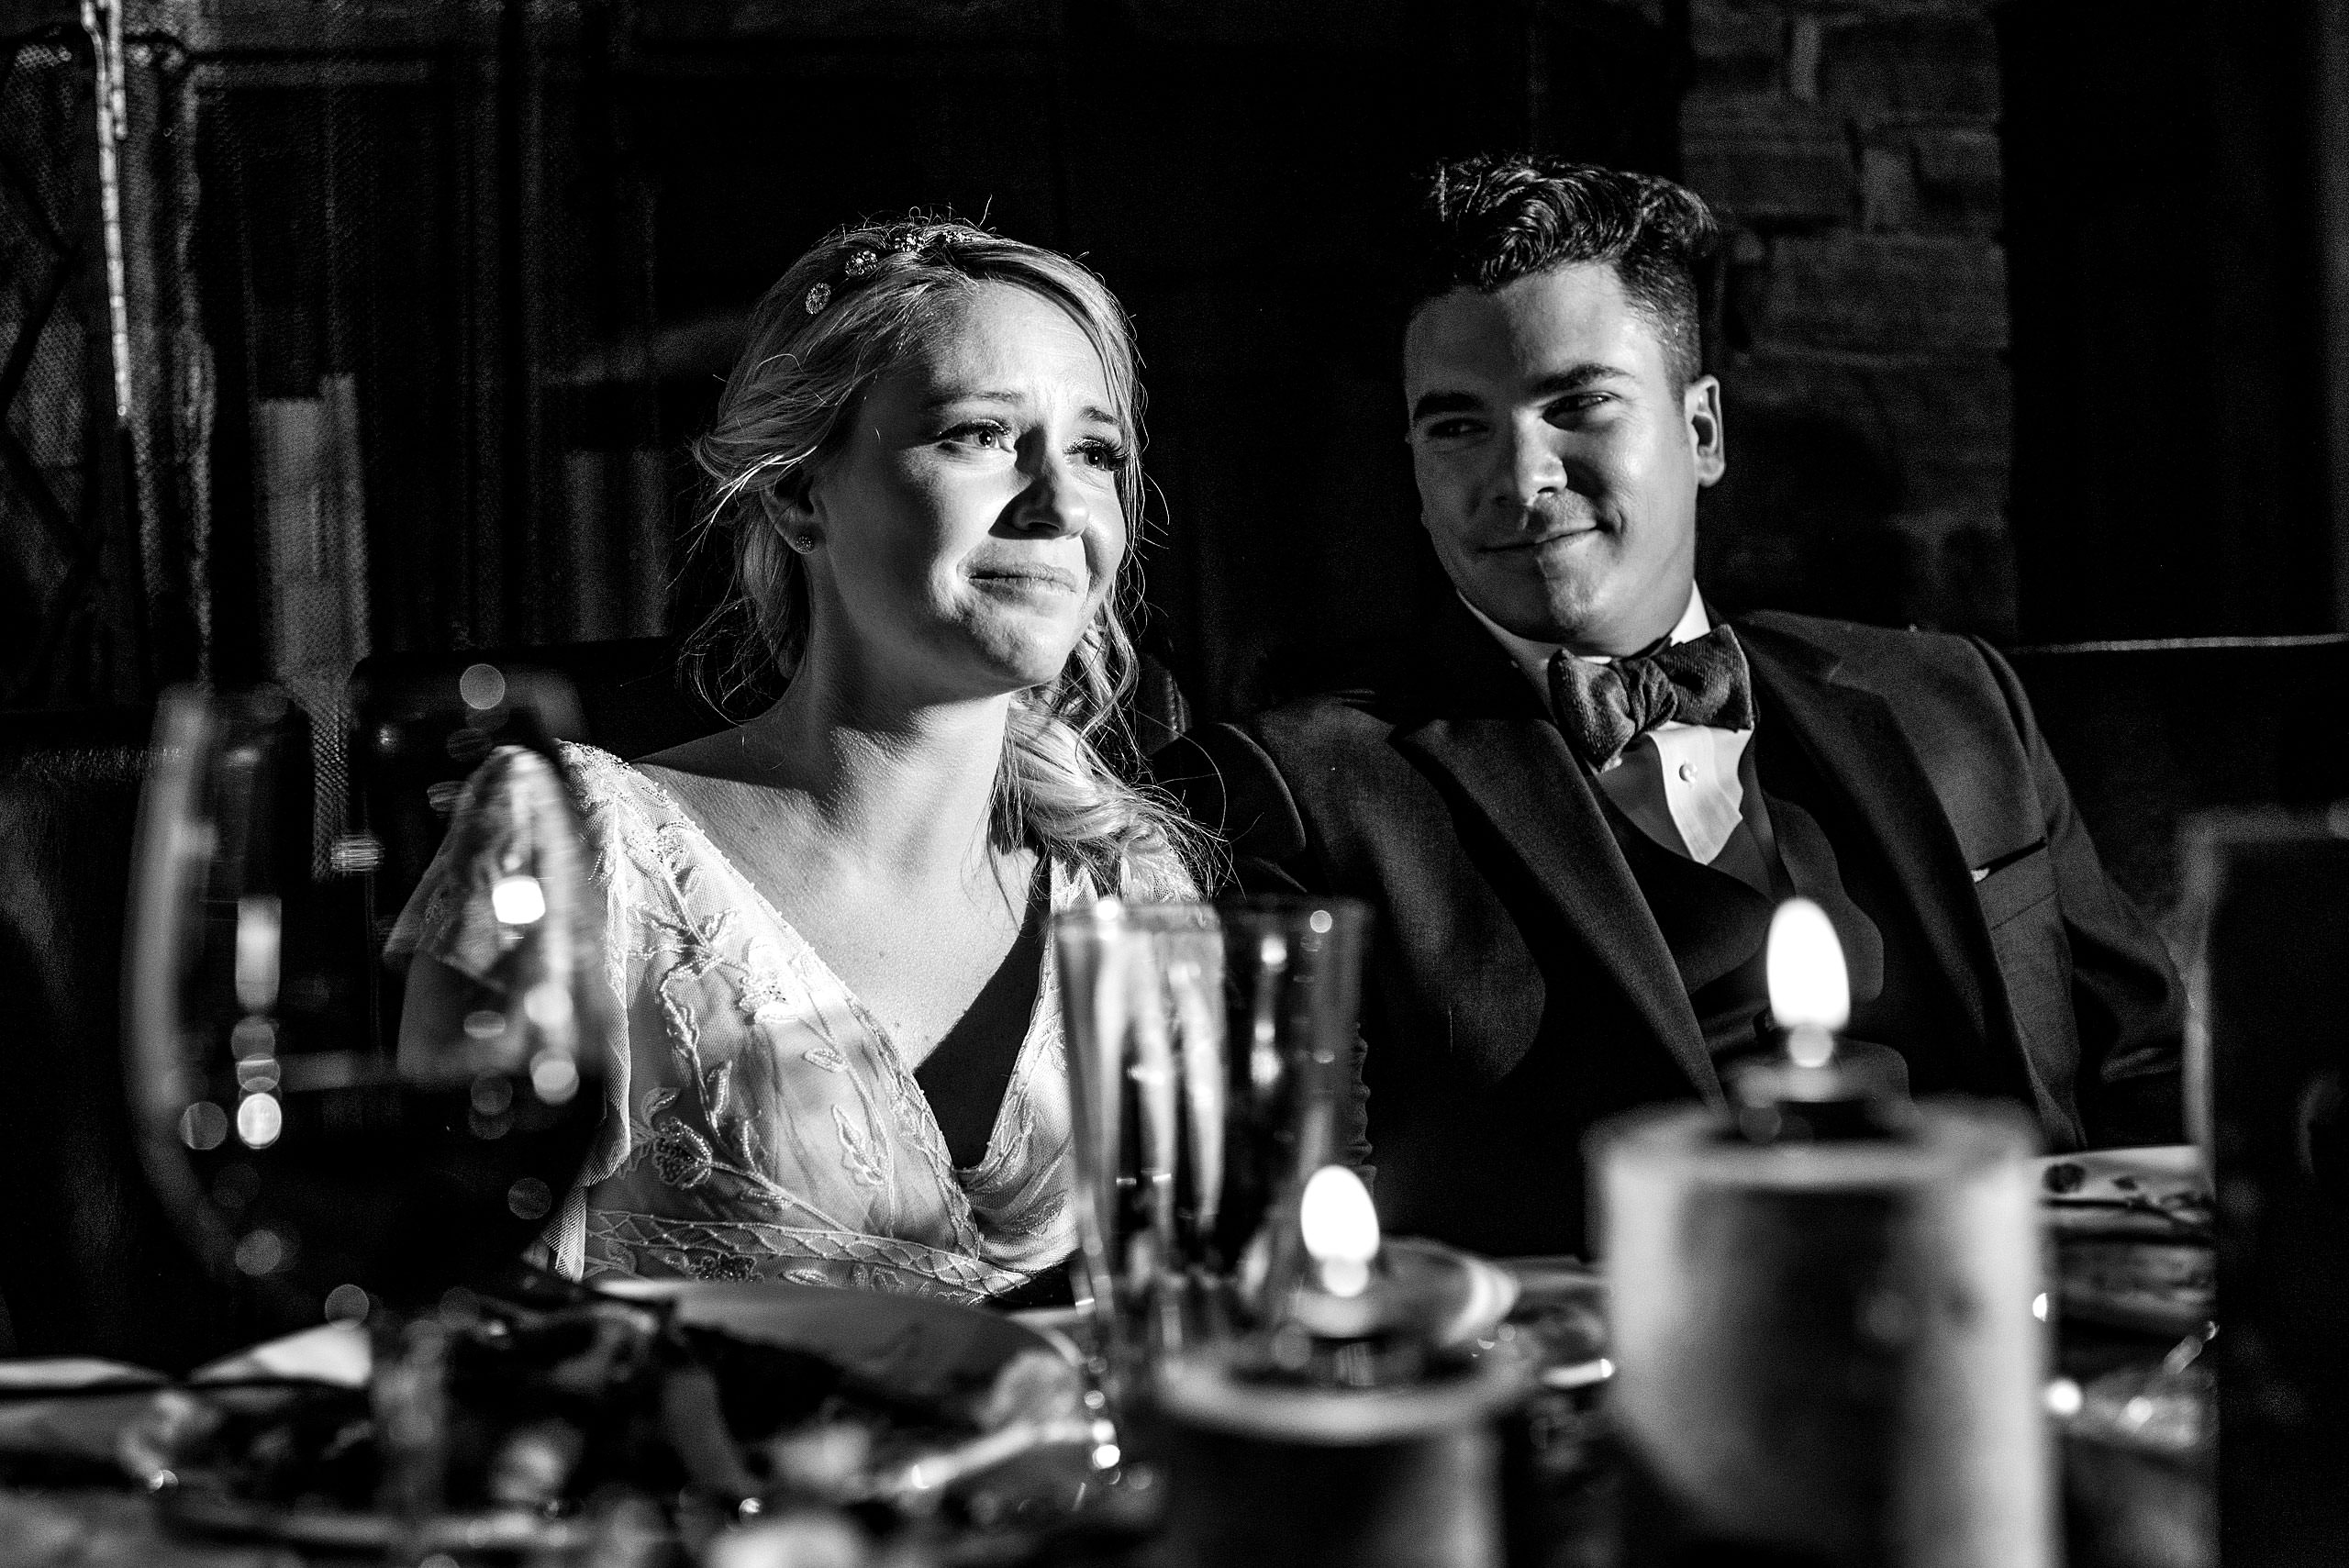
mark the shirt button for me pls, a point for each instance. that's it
(1687, 771)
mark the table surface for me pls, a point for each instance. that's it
(1565, 1519)
(92, 1527)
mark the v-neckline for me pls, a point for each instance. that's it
(1046, 998)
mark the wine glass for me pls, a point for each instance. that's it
(318, 1163)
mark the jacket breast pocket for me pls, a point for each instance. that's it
(2016, 883)
(2026, 921)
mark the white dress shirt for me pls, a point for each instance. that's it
(1695, 763)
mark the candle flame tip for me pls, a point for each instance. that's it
(1810, 987)
(1338, 1224)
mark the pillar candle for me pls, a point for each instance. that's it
(1827, 1352)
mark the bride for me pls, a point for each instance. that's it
(835, 1054)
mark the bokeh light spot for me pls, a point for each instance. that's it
(482, 686)
(259, 1120)
(518, 900)
(491, 1094)
(556, 1078)
(253, 1035)
(203, 1126)
(529, 1199)
(263, 1251)
(547, 1004)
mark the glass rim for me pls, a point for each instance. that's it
(1293, 906)
(1195, 914)
(1156, 914)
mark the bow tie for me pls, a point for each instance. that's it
(1603, 708)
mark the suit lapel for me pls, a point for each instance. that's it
(1494, 741)
(1859, 747)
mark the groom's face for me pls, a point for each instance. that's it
(1558, 457)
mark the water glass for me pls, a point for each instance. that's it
(1209, 1051)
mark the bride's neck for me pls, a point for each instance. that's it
(908, 785)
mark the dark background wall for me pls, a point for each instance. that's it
(2022, 313)
(1863, 314)
(2165, 189)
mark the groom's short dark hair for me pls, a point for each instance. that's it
(1492, 219)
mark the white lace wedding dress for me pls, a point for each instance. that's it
(758, 1122)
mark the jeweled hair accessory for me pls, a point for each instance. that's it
(861, 262)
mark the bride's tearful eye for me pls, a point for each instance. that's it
(988, 435)
(1100, 453)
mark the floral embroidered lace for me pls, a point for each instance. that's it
(759, 1124)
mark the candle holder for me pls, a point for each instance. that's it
(1356, 1424)
(1828, 1348)
(1823, 1323)
(1265, 1468)
(1859, 1091)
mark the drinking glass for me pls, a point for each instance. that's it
(1207, 1055)
(321, 1165)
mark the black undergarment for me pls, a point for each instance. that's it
(966, 1077)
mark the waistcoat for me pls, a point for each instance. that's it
(1798, 835)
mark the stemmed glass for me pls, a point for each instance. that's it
(317, 1163)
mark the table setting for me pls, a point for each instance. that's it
(1827, 1322)
(81, 1482)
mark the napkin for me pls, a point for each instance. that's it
(66, 1416)
(338, 1353)
(62, 1417)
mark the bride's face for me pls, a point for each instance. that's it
(970, 526)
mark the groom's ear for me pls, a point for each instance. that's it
(1700, 410)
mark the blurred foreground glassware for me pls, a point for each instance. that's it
(1209, 1051)
(305, 1157)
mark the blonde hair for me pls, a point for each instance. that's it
(836, 321)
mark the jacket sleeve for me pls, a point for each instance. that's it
(1227, 782)
(2126, 995)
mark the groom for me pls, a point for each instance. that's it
(1575, 814)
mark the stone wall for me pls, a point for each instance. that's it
(1860, 330)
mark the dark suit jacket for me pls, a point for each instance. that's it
(1518, 990)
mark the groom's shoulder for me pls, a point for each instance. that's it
(1927, 677)
(1314, 743)
(1321, 736)
(1898, 660)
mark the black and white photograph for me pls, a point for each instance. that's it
(1174, 784)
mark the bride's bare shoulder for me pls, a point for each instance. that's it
(724, 784)
(714, 755)
(710, 767)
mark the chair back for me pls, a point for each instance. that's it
(2149, 732)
